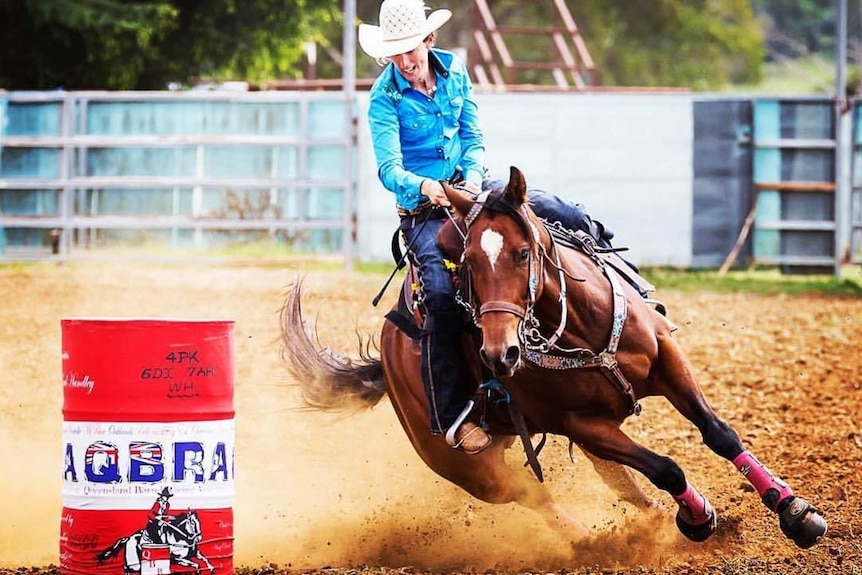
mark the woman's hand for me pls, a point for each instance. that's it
(435, 192)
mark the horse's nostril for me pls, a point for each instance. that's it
(513, 354)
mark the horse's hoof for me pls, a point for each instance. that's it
(699, 532)
(801, 522)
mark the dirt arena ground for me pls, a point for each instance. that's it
(316, 494)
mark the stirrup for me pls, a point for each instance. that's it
(659, 306)
(662, 310)
(461, 420)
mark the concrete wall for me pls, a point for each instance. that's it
(626, 157)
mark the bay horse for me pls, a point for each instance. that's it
(570, 347)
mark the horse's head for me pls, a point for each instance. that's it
(193, 524)
(189, 524)
(502, 266)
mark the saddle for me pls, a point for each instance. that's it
(408, 316)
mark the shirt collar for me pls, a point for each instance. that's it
(434, 62)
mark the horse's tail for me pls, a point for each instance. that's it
(112, 550)
(330, 381)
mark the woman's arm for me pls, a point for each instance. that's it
(385, 136)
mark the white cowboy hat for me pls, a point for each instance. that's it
(403, 26)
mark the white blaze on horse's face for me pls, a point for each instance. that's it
(491, 243)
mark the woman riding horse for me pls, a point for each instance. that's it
(425, 128)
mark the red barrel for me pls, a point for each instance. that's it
(148, 436)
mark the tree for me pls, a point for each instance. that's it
(798, 27)
(700, 44)
(144, 44)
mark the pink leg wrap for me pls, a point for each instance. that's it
(772, 489)
(696, 509)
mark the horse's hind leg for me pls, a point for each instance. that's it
(798, 519)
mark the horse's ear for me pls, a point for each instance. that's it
(516, 189)
(461, 200)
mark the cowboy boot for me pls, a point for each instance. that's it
(442, 376)
(467, 436)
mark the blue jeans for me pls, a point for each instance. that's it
(442, 366)
(437, 288)
(572, 216)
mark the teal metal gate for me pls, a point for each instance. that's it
(192, 170)
(794, 182)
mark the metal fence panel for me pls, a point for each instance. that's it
(856, 186)
(795, 176)
(722, 178)
(192, 169)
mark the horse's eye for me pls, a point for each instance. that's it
(524, 255)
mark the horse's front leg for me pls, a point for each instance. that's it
(798, 519)
(603, 438)
(206, 561)
(180, 560)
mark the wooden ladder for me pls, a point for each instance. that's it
(572, 70)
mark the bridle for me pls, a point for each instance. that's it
(188, 528)
(538, 348)
(529, 334)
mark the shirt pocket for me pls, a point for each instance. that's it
(416, 128)
(456, 104)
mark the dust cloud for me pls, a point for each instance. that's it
(352, 492)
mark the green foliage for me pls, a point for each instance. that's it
(82, 44)
(140, 44)
(700, 45)
(812, 74)
(145, 44)
(251, 40)
(797, 27)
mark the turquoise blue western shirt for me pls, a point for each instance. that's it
(417, 137)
